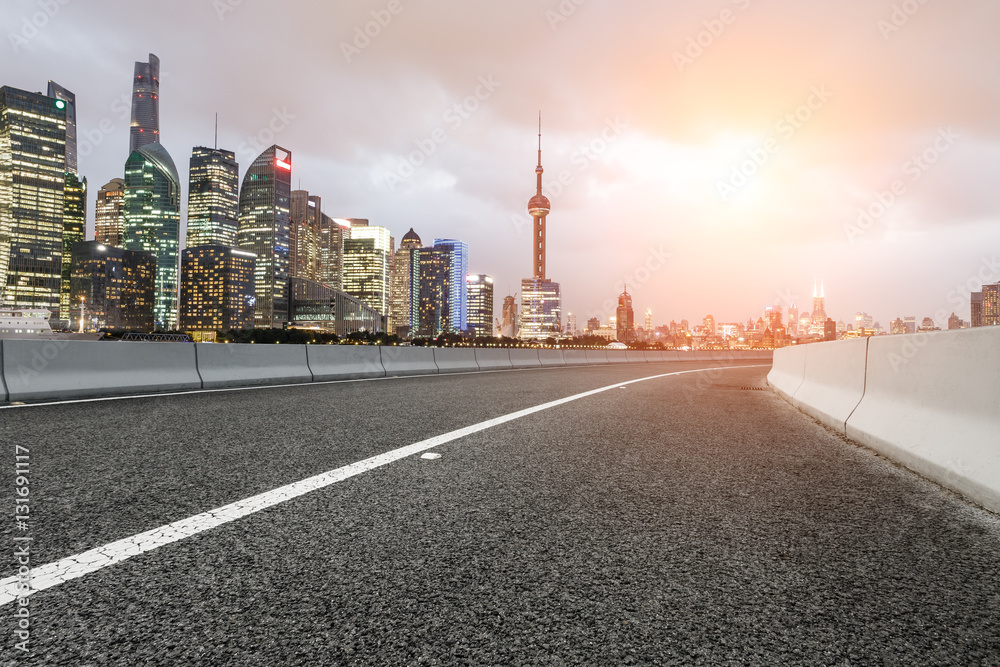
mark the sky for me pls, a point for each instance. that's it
(717, 156)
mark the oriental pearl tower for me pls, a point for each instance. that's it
(539, 207)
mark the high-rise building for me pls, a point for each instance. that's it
(570, 328)
(976, 308)
(145, 127)
(217, 289)
(431, 273)
(541, 299)
(32, 205)
(265, 198)
(896, 327)
(625, 318)
(332, 233)
(112, 288)
(647, 324)
(305, 235)
(593, 324)
(153, 220)
(708, 324)
(401, 285)
(817, 326)
(480, 317)
(74, 231)
(910, 324)
(109, 219)
(213, 197)
(991, 305)
(793, 320)
(58, 92)
(458, 297)
(509, 326)
(955, 322)
(366, 264)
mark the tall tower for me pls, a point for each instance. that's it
(145, 127)
(539, 207)
(213, 197)
(60, 93)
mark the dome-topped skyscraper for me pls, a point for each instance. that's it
(410, 241)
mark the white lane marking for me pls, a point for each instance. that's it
(430, 456)
(52, 574)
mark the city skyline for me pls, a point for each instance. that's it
(866, 122)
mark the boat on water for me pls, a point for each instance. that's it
(33, 324)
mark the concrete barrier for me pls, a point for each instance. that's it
(788, 370)
(653, 355)
(36, 370)
(399, 361)
(521, 358)
(455, 360)
(344, 362)
(596, 357)
(551, 358)
(575, 357)
(241, 365)
(635, 356)
(833, 381)
(932, 403)
(617, 356)
(493, 359)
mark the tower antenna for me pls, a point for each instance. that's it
(217, 130)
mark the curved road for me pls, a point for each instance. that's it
(690, 518)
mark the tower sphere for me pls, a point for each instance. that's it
(538, 206)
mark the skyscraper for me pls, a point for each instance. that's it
(541, 299)
(793, 320)
(401, 283)
(432, 271)
(625, 318)
(265, 198)
(976, 309)
(58, 92)
(570, 328)
(145, 128)
(331, 251)
(152, 221)
(213, 197)
(509, 326)
(109, 220)
(458, 295)
(305, 235)
(818, 325)
(991, 305)
(217, 288)
(32, 204)
(74, 230)
(366, 266)
(480, 317)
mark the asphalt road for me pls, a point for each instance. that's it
(691, 519)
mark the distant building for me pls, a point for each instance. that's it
(541, 309)
(332, 233)
(401, 285)
(829, 330)
(265, 197)
(58, 92)
(115, 287)
(321, 307)
(571, 328)
(32, 206)
(793, 320)
(109, 220)
(366, 264)
(625, 318)
(305, 235)
(217, 288)
(431, 272)
(213, 198)
(509, 325)
(991, 305)
(153, 220)
(910, 324)
(74, 231)
(458, 293)
(955, 322)
(480, 318)
(976, 314)
(145, 126)
(593, 324)
(896, 327)
(928, 325)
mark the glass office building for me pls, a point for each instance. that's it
(213, 198)
(217, 288)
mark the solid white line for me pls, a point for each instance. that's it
(53, 574)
